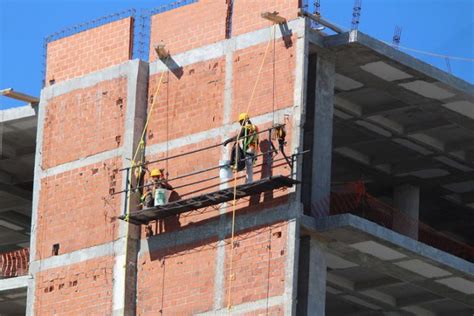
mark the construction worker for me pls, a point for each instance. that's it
(157, 181)
(243, 154)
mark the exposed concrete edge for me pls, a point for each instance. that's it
(211, 229)
(82, 162)
(77, 256)
(31, 297)
(219, 275)
(247, 307)
(14, 283)
(87, 80)
(401, 241)
(316, 38)
(17, 113)
(400, 57)
(291, 264)
(124, 286)
(218, 49)
(211, 133)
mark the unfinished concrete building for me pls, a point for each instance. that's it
(366, 208)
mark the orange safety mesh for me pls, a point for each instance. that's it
(353, 198)
(14, 263)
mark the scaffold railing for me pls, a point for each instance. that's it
(219, 190)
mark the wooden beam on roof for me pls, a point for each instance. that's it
(274, 17)
(19, 96)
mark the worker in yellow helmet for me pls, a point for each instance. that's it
(157, 181)
(243, 154)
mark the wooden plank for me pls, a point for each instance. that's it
(161, 51)
(274, 17)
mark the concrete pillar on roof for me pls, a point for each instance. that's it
(322, 128)
(406, 199)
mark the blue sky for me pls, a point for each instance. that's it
(440, 26)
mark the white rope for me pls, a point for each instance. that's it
(433, 54)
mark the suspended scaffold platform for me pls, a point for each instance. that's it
(182, 206)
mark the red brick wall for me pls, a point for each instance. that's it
(80, 289)
(177, 281)
(275, 86)
(258, 264)
(189, 104)
(189, 27)
(247, 13)
(84, 122)
(76, 209)
(180, 280)
(89, 51)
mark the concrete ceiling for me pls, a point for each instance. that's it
(399, 120)
(373, 271)
(17, 154)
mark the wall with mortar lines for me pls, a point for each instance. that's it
(217, 74)
(80, 289)
(194, 25)
(84, 122)
(88, 51)
(253, 282)
(76, 209)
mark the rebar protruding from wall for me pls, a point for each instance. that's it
(356, 14)
(397, 35)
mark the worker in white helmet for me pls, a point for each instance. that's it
(243, 154)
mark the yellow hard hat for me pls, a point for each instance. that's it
(156, 173)
(243, 116)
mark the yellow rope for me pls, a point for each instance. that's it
(231, 275)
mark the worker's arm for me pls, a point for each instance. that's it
(166, 185)
(234, 138)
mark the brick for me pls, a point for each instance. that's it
(177, 281)
(88, 51)
(83, 288)
(274, 88)
(247, 13)
(186, 105)
(258, 264)
(205, 24)
(76, 209)
(84, 122)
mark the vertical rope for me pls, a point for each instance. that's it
(231, 268)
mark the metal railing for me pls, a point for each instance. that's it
(269, 161)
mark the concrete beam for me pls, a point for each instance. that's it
(14, 283)
(375, 284)
(424, 128)
(419, 299)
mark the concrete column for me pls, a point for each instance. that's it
(406, 199)
(311, 278)
(128, 241)
(317, 280)
(322, 129)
